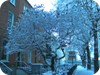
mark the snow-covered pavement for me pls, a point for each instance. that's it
(98, 73)
(82, 71)
(79, 71)
(1, 73)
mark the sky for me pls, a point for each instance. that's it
(48, 4)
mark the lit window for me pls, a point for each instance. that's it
(12, 1)
(10, 21)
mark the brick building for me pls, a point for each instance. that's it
(9, 14)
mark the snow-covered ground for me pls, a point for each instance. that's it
(82, 71)
(98, 73)
(79, 71)
(47, 73)
(1, 73)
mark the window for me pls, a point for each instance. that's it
(5, 57)
(13, 2)
(10, 22)
(29, 56)
(25, 7)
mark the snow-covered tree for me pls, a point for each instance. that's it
(81, 25)
(35, 31)
(93, 13)
(92, 10)
(48, 32)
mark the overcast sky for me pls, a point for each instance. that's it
(48, 4)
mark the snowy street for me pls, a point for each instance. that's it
(79, 71)
(83, 71)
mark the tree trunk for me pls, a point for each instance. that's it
(35, 57)
(88, 58)
(53, 63)
(96, 62)
(83, 61)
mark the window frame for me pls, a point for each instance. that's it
(5, 56)
(13, 2)
(10, 21)
(25, 8)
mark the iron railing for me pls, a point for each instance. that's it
(5, 68)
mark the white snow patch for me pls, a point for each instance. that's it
(83, 71)
(48, 73)
(1, 73)
(1, 2)
(98, 73)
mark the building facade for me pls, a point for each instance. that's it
(9, 15)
